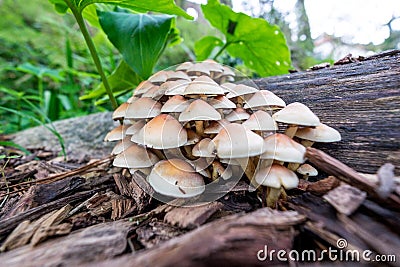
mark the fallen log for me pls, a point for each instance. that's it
(361, 100)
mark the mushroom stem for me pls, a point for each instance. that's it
(188, 152)
(307, 143)
(291, 130)
(305, 177)
(248, 167)
(199, 127)
(293, 166)
(158, 153)
(239, 101)
(273, 196)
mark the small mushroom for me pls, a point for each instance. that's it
(307, 170)
(321, 133)
(261, 121)
(143, 108)
(241, 92)
(117, 134)
(120, 112)
(176, 178)
(142, 88)
(276, 177)
(220, 171)
(203, 87)
(282, 148)
(136, 156)
(296, 114)
(264, 100)
(237, 115)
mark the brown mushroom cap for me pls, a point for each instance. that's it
(159, 77)
(175, 87)
(264, 98)
(261, 121)
(122, 145)
(283, 148)
(162, 132)
(198, 68)
(142, 88)
(203, 85)
(135, 156)
(307, 169)
(184, 66)
(296, 114)
(199, 110)
(177, 103)
(277, 176)
(176, 178)
(204, 148)
(135, 127)
(221, 102)
(238, 114)
(215, 126)
(177, 75)
(240, 90)
(120, 112)
(321, 133)
(143, 108)
(118, 133)
(236, 141)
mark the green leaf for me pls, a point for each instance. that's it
(205, 47)
(60, 6)
(122, 78)
(140, 38)
(40, 71)
(260, 45)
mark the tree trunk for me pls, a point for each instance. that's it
(361, 100)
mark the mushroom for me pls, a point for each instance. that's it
(176, 178)
(296, 114)
(220, 171)
(175, 105)
(159, 77)
(120, 112)
(264, 100)
(135, 127)
(238, 114)
(198, 69)
(143, 108)
(205, 149)
(184, 66)
(202, 87)
(274, 178)
(215, 127)
(199, 111)
(177, 75)
(221, 103)
(136, 156)
(307, 170)
(117, 134)
(142, 88)
(282, 148)
(321, 133)
(261, 121)
(162, 132)
(240, 92)
(122, 145)
(226, 76)
(175, 87)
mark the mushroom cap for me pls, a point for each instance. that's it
(203, 85)
(228, 71)
(177, 75)
(162, 132)
(135, 156)
(205, 148)
(225, 173)
(240, 90)
(307, 169)
(221, 102)
(261, 121)
(264, 98)
(228, 87)
(296, 114)
(177, 103)
(213, 66)
(198, 68)
(215, 126)
(175, 87)
(143, 108)
(281, 147)
(184, 66)
(135, 127)
(321, 133)
(238, 114)
(120, 112)
(199, 110)
(159, 77)
(176, 178)
(142, 88)
(277, 176)
(118, 133)
(122, 145)
(236, 141)
(155, 92)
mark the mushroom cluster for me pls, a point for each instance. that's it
(188, 127)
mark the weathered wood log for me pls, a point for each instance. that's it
(361, 100)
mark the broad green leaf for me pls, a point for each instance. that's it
(140, 38)
(205, 47)
(122, 78)
(60, 6)
(260, 45)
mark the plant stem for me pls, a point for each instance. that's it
(89, 42)
(221, 50)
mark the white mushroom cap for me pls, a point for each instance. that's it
(198, 68)
(175, 87)
(135, 156)
(235, 141)
(261, 121)
(296, 114)
(221, 102)
(143, 108)
(199, 110)
(159, 77)
(264, 98)
(176, 178)
(204, 148)
(321, 133)
(239, 114)
(155, 92)
(122, 145)
(203, 85)
(135, 127)
(228, 87)
(184, 66)
(177, 103)
(118, 133)
(212, 66)
(120, 112)
(307, 169)
(277, 176)
(177, 75)
(215, 126)
(162, 132)
(240, 90)
(283, 148)
(142, 88)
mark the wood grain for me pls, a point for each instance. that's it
(361, 100)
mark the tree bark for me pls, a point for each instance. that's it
(361, 100)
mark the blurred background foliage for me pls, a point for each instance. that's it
(44, 61)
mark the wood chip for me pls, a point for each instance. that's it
(323, 186)
(345, 198)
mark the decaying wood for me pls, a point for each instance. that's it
(361, 100)
(343, 172)
(345, 198)
(218, 243)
